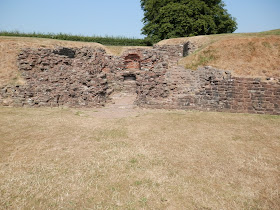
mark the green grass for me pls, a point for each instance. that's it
(107, 40)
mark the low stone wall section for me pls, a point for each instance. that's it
(215, 90)
(86, 77)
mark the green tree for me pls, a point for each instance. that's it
(164, 19)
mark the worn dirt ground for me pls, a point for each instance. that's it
(119, 157)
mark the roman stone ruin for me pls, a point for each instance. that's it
(87, 77)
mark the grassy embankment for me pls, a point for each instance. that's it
(245, 54)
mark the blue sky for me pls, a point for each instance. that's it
(116, 17)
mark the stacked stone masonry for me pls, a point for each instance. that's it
(216, 90)
(87, 77)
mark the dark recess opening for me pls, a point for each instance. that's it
(130, 77)
(65, 51)
(132, 57)
(186, 49)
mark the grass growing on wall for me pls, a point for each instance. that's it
(107, 40)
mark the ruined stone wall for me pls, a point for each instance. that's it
(138, 63)
(70, 77)
(87, 77)
(215, 90)
(77, 77)
(171, 50)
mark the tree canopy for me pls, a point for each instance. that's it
(164, 19)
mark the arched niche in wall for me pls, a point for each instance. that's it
(132, 61)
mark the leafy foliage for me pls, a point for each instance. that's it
(165, 19)
(118, 41)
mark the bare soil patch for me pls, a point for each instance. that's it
(122, 105)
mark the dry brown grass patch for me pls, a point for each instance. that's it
(69, 158)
